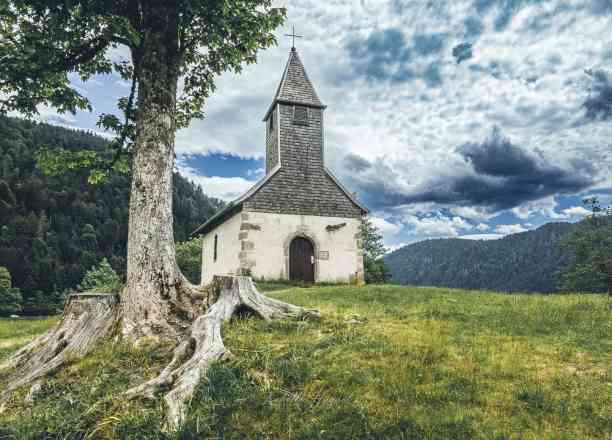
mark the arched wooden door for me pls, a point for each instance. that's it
(301, 260)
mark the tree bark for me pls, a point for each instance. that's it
(91, 318)
(204, 345)
(153, 303)
(87, 319)
(157, 300)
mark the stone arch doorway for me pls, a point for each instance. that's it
(301, 260)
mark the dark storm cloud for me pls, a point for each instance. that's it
(498, 175)
(386, 56)
(505, 11)
(353, 162)
(432, 75)
(428, 44)
(462, 52)
(473, 27)
(599, 103)
(602, 6)
(383, 56)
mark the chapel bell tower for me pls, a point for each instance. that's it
(294, 122)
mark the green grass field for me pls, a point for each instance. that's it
(384, 362)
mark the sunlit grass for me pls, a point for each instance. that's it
(383, 362)
(17, 332)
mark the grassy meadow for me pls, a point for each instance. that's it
(384, 362)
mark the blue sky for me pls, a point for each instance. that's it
(448, 119)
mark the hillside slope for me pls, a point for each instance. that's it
(53, 229)
(525, 262)
(384, 362)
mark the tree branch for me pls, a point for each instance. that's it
(85, 53)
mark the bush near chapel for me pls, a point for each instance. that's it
(376, 271)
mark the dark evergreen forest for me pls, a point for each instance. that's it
(527, 262)
(53, 229)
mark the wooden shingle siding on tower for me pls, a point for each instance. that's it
(272, 153)
(302, 185)
(298, 199)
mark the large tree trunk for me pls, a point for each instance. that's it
(204, 345)
(157, 300)
(152, 303)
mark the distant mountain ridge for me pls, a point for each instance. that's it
(525, 262)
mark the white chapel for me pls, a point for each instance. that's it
(298, 222)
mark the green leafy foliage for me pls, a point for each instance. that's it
(101, 278)
(10, 297)
(375, 268)
(43, 43)
(189, 258)
(591, 267)
(54, 228)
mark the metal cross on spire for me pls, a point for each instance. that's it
(294, 36)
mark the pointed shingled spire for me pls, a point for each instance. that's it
(295, 86)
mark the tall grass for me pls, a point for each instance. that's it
(384, 362)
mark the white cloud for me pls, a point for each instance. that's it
(481, 236)
(224, 188)
(527, 78)
(546, 207)
(437, 226)
(575, 211)
(387, 228)
(472, 212)
(510, 229)
(482, 227)
(393, 247)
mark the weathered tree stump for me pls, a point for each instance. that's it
(194, 355)
(87, 319)
(90, 318)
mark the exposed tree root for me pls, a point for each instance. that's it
(205, 344)
(87, 319)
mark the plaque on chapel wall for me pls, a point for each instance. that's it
(323, 255)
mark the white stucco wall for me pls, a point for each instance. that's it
(259, 242)
(228, 250)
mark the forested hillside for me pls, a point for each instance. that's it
(53, 229)
(525, 262)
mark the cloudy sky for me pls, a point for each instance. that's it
(466, 118)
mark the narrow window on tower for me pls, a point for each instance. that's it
(300, 115)
(215, 249)
(271, 122)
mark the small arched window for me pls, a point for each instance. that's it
(215, 248)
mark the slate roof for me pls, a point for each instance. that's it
(295, 86)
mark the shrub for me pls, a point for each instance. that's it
(101, 279)
(10, 297)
